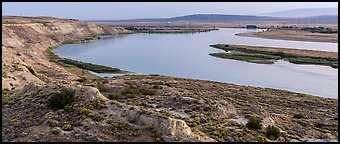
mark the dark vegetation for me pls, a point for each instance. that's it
(60, 99)
(308, 60)
(320, 30)
(114, 96)
(254, 122)
(87, 66)
(90, 66)
(272, 132)
(256, 58)
(31, 70)
(268, 57)
(132, 91)
(299, 116)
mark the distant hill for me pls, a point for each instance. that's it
(306, 12)
(232, 18)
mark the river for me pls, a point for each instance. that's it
(186, 56)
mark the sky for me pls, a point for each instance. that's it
(133, 10)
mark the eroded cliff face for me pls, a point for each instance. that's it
(25, 40)
(30, 79)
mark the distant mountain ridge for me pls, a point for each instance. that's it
(306, 12)
(232, 18)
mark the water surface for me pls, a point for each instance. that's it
(186, 55)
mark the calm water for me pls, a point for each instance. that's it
(186, 55)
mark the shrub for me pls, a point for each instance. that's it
(159, 105)
(198, 132)
(31, 70)
(132, 96)
(77, 123)
(114, 96)
(158, 136)
(61, 99)
(196, 120)
(98, 118)
(299, 116)
(133, 92)
(110, 121)
(130, 90)
(81, 80)
(149, 127)
(254, 122)
(272, 132)
(86, 112)
(91, 107)
(67, 126)
(101, 103)
(52, 123)
(55, 131)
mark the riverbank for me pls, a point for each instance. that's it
(294, 35)
(82, 65)
(267, 55)
(44, 101)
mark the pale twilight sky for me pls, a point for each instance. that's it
(132, 10)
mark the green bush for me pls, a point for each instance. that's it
(254, 122)
(61, 99)
(90, 66)
(158, 136)
(272, 132)
(130, 90)
(52, 123)
(299, 116)
(67, 126)
(114, 96)
(55, 131)
(98, 118)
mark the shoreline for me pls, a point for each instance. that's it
(293, 36)
(267, 55)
